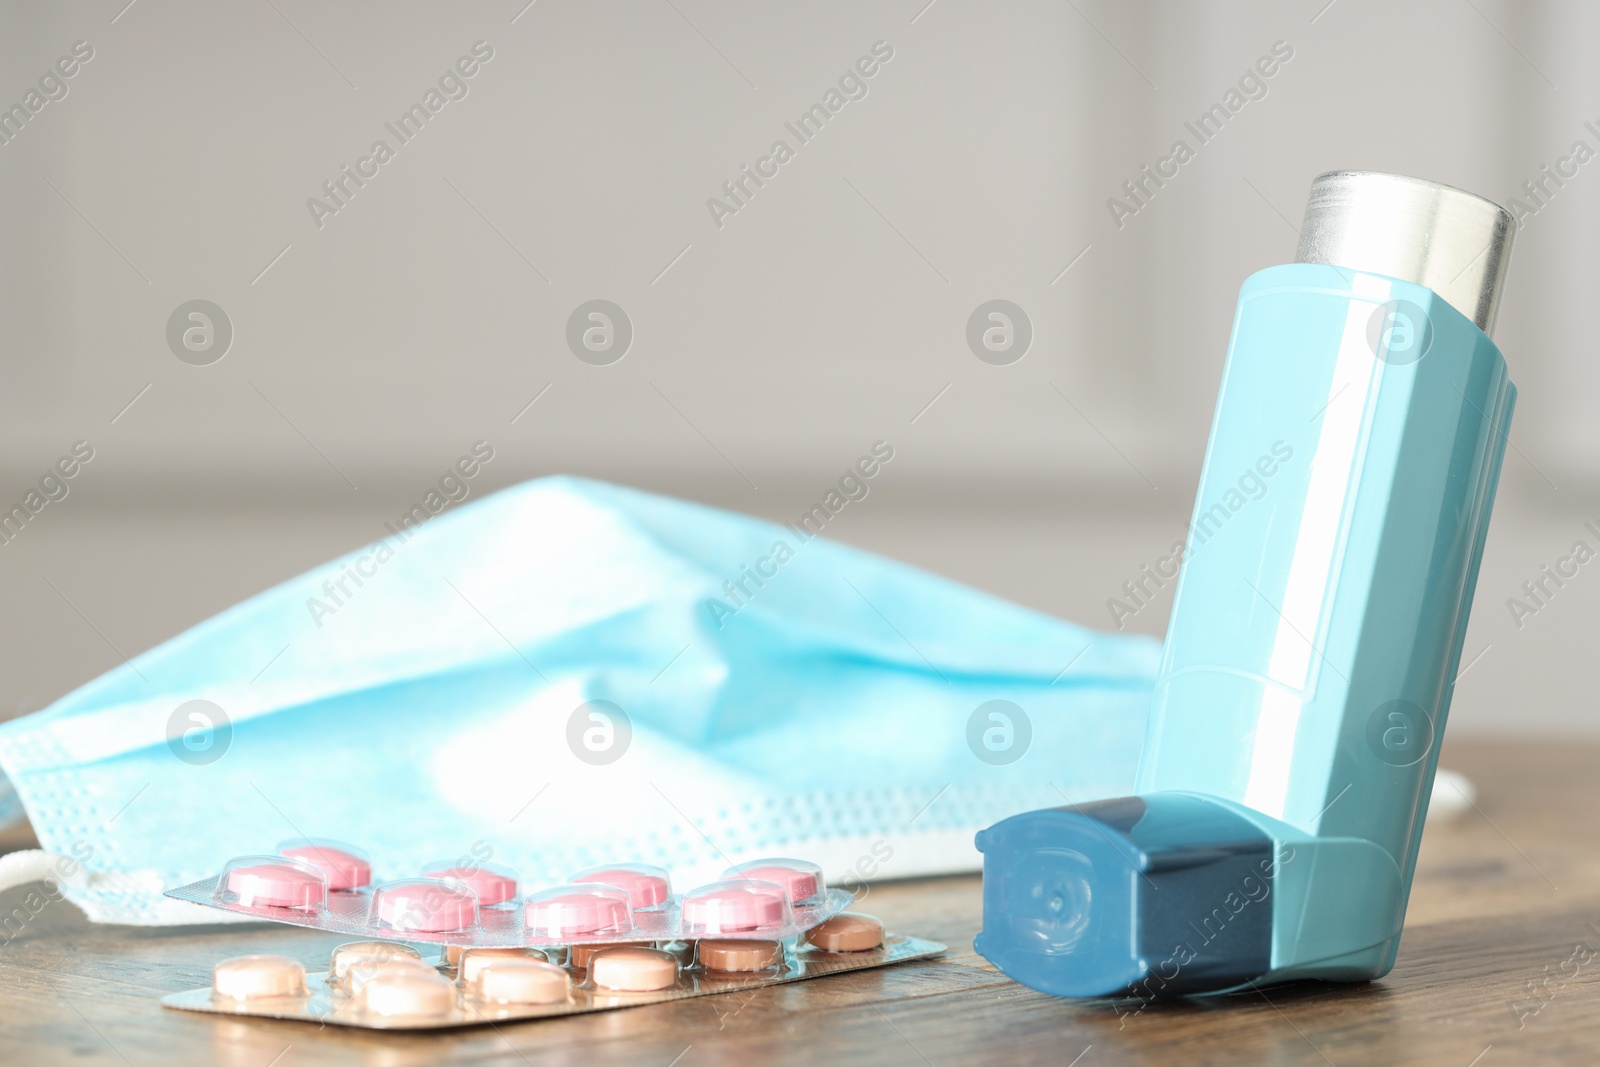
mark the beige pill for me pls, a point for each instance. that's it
(474, 959)
(362, 973)
(368, 954)
(408, 991)
(524, 981)
(633, 969)
(452, 953)
(258, 976)
(732, 955)
(847, 931)
(582, 954)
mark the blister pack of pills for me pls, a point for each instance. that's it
(391, 986)
(328, 885)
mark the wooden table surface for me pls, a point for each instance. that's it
(1488, 975)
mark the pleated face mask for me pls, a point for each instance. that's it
(568, 672)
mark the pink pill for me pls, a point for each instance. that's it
(272, 885)
(801, 880)
(494, 885)
(725, 907)
(646, 886)
(578, 910)
(345, 868)
(425, 905)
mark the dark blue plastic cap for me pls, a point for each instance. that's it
(1155, 896)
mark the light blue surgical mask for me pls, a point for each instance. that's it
(569, 673)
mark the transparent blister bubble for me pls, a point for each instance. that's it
(801, 879)
(406, 993)
(648, 887)
(424, 905)
(351, 962)
(263, 884)
(517, 982)
(632, 969)
(738, 907)
(724, 956)
(357, 977)
(580, 911)
(344, 866)
(473, 960)
(247, 978)
(494, 883)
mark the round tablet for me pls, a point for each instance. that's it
(475, 959)
(582, 954)
(726, 907)
(527, 981)
(734, 955)
(847, 931)
(357, 977)
(578, 910)
(646, 886)
(276, 885)
(632, 969)
(801, 880)
(408, 992)
(258, 976)
(453, 953)
(492, 886)
(367, 953)
(425, 905)
(343, 869)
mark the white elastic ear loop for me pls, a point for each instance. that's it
(1452, 797)
(37, 865)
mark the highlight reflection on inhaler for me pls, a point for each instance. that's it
(1316, 628)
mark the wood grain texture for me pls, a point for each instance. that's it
(1502, 899)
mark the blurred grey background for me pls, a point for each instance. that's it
(772, 345)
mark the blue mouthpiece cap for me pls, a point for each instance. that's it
(1155, 896)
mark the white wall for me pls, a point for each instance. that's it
(824, 315)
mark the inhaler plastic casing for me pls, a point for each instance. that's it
(1316, 628)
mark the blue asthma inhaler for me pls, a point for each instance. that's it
(1316, 628)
